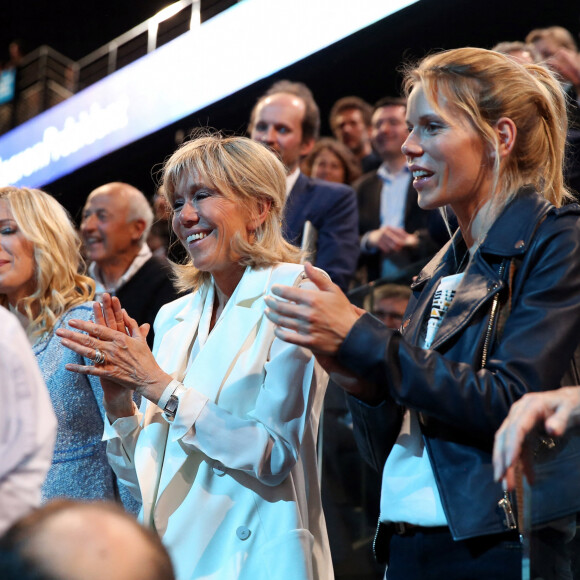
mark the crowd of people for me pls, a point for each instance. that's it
(203, 363)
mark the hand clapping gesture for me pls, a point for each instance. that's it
(123, 360)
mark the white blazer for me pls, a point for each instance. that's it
(231, 485)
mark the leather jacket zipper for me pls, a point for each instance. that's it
(491, 324)
(506, 505)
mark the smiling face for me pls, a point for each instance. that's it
(107, 233)
(277, 123)
(17, 264)
(447, 158)
(205, 222)
(328, 166)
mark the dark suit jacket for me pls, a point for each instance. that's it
(332, 209)
(428, 225)
(146, 292)
(572, 166)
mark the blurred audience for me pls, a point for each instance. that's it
(395, 231)
(28, 424)
(116, 221)
(388, 303)
(332, 161)
(350, 121)
(519, 51)
(286, 119)
(558, 49)
(69, 540)
(161, 239)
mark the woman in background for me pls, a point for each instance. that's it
(40, 283)
(332, 161)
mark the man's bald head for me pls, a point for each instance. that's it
(68, 540)
(116, 221)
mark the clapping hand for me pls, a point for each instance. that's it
(123, 360)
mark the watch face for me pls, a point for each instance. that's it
(171, 406)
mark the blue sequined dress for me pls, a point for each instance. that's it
(80, 469)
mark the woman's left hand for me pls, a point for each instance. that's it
(128, 360)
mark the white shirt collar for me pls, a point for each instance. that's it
(95, 273)
(291, 180)
(384, 173)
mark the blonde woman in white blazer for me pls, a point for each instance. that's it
(222, 452)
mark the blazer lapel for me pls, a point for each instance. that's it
(171, 356)
(211, 367)
(174, 348)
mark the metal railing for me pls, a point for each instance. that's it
(45, 77)
(144, 38)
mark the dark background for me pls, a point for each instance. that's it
(364, 64)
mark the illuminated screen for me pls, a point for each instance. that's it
(248, 42)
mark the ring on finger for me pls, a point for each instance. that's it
(99, 358)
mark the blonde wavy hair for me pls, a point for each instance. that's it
(59, 285)
(483, 86)
(247, 173)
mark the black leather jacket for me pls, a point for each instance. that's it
(531, 261)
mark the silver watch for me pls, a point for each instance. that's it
(171, 407)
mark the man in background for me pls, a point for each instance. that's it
(350, 121)
(70, 540)
(287, 120)
(116, 221)
(395, 232)
(389, 303)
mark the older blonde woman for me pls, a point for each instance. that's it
(223, 450)
(40, 283)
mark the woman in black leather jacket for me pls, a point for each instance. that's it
(494, 315)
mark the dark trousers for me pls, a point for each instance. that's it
(434, 555)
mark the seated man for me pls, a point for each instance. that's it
(116, 221)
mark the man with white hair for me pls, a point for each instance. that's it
(116, 221)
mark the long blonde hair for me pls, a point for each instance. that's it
(484, 86)
(247, 173)
(58, 284)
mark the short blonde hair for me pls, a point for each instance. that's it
(59, 285)
(245, 172)
(484, 86)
